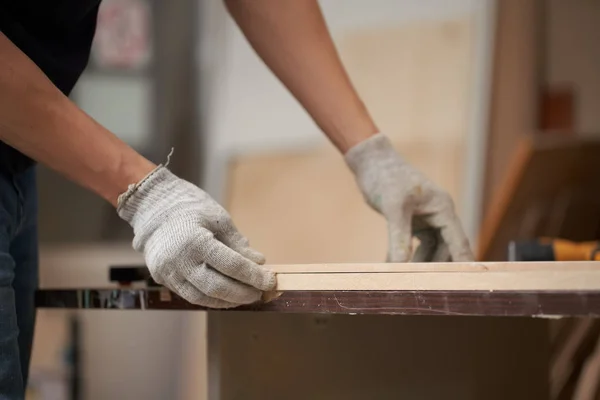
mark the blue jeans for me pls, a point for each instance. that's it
(18, 270)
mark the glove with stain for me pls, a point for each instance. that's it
(190, 243)
(410, 202)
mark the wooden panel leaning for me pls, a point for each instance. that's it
(551, 188)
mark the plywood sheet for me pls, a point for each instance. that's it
(416, 78)
(305, 207)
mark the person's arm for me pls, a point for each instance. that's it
(292, 39)
(41, 122)
(189, 242)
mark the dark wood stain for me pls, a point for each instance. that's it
(458, 303)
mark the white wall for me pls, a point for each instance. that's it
(573, 56)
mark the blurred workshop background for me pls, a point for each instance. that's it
(465, 88)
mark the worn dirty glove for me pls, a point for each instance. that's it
(190, 244)
(411, 204)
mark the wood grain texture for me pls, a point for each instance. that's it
(434, 267)
(467, 303)
(446, 281)
(581, 275)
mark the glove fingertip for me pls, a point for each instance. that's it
(400, 251)
(262, 279)
(465, 256)
(398, 256)
(268, 280)
(461, 252)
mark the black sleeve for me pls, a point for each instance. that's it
(60, 50)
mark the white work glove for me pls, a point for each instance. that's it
(190, 244)
(411, 204)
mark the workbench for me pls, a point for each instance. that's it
(550, 304)
(307, 335)
(471, 289)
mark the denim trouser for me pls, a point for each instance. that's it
(18, 270)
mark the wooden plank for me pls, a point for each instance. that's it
(433, 267)
(515, 89)
(455, 302)
(447, 281)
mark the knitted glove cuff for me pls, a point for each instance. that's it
(156, 188)
(373, 150)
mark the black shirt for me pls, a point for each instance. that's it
(55, 34)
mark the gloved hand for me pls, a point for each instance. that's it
(190, 244)
(411, 204)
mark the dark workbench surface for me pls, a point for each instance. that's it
(476, 303)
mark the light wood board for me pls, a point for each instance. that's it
(446, 281)
(415, 78)
(434, 267)
(572, 276)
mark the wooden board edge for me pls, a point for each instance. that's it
(445, 281)
(330, 268)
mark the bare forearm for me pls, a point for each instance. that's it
(292, 39)
(37, 119)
